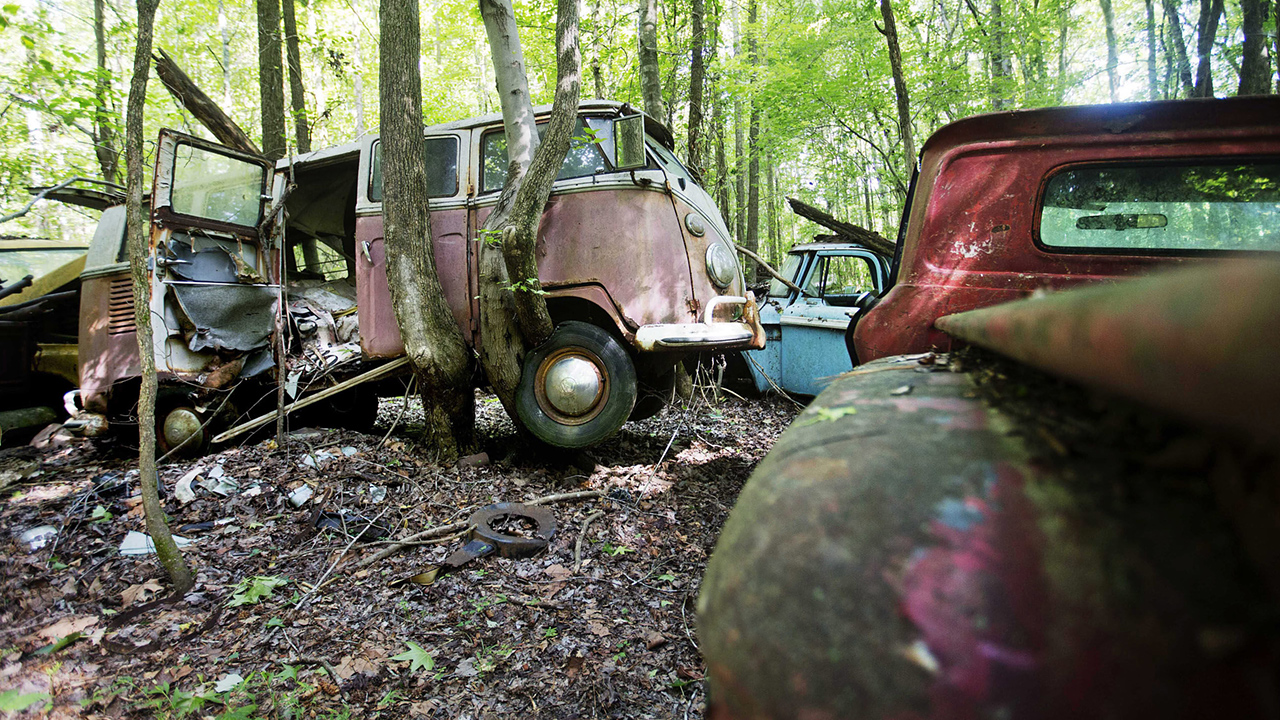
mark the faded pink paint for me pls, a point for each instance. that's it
(379, 331)
(103, 358)
(971, 236)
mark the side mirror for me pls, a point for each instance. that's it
(628, 143)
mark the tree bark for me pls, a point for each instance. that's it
(752, 240)
(201, 106)
(597, 77)
(271, 79)
(104, 133)
(1113, 58)
(433, 343)
(998, 57)
(1153, 76)
(697, 44)
(650, 76)
(357, 86)
(1255, 68)
(890, 32)
(139, 240)
(226, 53)
(1174, 21)
(297, 93)
(514, 316)
(1207, 30)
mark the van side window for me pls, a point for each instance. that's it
(583, 159)
(442, 168)
(839, 279)
(1164, 207)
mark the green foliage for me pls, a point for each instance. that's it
(419, 659)
(251, 590)
(17, 701)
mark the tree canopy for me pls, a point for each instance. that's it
(815, 74)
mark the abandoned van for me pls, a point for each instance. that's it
(633, 255)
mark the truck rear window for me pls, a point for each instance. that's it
(1164, 207)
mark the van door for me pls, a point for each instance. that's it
(215, 279)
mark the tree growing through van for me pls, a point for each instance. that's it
(432, 341)
(508, 267)
(138, 228)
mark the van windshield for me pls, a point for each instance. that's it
(583, 159)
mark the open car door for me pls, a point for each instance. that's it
(216, 277)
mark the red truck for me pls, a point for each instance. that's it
(908, 550)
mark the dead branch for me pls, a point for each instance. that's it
(562, 497)
(577, 548)
(308, 660)
(201, 105)
(869, 239)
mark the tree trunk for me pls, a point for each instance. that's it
(1207, 30)
(226, 53)
(1064, 28)
(597, 77)
(440, 358)
(650, 76)
(1113, 58)
(514, 316)
(139, 239)
(1153, 76)
(1001, 66)
(890, 32)
(753, 139)
(739, 173)
(357, 88)
(297, 94)
(104, 133)
(271, 79)
(696, 70)
(1255, 68)
(201, 106)
(1174, 21)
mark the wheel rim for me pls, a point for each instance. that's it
(572, 385)
(182, 423)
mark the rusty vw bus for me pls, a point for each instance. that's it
(634, 256)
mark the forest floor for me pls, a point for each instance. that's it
(284, 620)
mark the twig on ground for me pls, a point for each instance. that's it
(562, 497)
(337, 561)
(408, 388)
(308, 660)
(577, 548)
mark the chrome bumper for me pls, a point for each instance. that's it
(743, 333)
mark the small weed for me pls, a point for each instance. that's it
(550, 632)
(616, 550)
(251, 590)
(100, 515)
(622, 650)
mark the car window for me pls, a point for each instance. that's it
(788, 271)
(671, 164)
(213, 186)
(1163, 207)
(442, 168)
(17, 264)
(584, 157)
(839, 279)
(318, 259)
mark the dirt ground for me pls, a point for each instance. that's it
(286, 622)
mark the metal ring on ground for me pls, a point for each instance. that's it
(514, 545)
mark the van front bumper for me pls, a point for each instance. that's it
(732, 323)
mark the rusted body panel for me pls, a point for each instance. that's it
(108, 339)
(1200, 342)
(379, 332)
(972, 236)
(912, 559)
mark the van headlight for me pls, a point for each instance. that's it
(722, 268)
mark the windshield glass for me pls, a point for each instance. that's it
(788, 271)
(17, 264)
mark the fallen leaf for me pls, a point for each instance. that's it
(68, 625)
(654, 639)
(417, 657)
(138, 594)
(598, 628)
(467, 668)
(558, 572)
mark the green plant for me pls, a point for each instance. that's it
(16, 701)
(418, 658)
(252, 590)
(100, 514)
(615, 550)
(550, 632)
(528, 285)
(622, 650)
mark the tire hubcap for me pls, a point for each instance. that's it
(180, 424)
(571, 386)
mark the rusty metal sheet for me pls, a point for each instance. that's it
(900, 554)
(1201, 342)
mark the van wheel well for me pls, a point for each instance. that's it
(565, 309)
